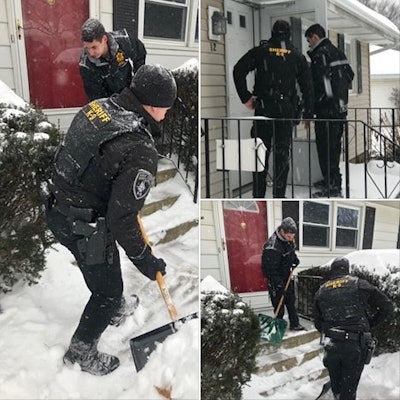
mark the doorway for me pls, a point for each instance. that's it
(246, 232)
(49, 40)
(239, 40)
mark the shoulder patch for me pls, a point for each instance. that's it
(142, 184)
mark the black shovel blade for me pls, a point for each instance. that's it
(143, 345)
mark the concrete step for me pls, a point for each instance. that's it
(165, 174)
(173, 233)
(284, 359)
(291, 340)
(151, 208)
(314, 372)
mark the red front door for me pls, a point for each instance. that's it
(52, 30)
(246, 232)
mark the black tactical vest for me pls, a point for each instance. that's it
(341, 305)
(77, 161)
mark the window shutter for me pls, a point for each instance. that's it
(291, 209)
(340, 41)
(296, 33)
(369, 225)
(126, 16)
(359, 68)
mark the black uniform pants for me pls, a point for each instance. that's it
(104, 281)
(328, 137)
(276, 136)
(345, 364)
(289, 302)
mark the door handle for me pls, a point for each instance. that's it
(19, 29)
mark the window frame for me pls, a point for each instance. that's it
(192, 14)
(333, 227)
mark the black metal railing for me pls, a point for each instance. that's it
(362, 142)
(179, 144)
(306, 287)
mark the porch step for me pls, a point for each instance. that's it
(292, 340)
(162, 204)
(165, 174)
(299, 353)
(173, 233)
(298, 375)
(284, 359)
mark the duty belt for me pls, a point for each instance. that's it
(340, 334)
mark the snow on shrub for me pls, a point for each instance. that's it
(27, 146)
(230, 334)
(181, 123)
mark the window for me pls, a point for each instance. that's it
(242, 21)
(241, 205)
(165, 19)
(316, 231)
(347, 223)
(330, 225)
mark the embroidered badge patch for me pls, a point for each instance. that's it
(142, 184)
(120, 57)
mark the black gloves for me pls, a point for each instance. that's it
(149, 265)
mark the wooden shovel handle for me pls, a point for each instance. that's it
(283, 294)
(160, 279)
(166, 296)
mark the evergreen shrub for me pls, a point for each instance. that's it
(180, 127)
(27, 145)
(230, 334)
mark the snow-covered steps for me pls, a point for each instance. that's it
(164, 174)
(292, 352)
(298, 357)
(169, 206)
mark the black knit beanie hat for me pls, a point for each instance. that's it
(154, 85)
(288, 225)
(281, 29)
(340, 265)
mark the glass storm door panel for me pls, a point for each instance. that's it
(52, 30)
(246, 232)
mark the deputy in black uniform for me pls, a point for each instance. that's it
(340, 314)
(102, 174)
(332, 76)
(278, 260)
(278, 65)
(109, 59)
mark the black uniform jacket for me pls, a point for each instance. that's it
(332, 76)
(107, 162)
(104, 77)
(343, 301)
(278, 258)
(278, 66)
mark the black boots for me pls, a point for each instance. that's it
(127, 308)
(89, 358)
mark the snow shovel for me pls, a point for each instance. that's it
(273, 328)
(143, 345)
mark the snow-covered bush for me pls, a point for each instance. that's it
(387, 333)
(230, 334)
(180, 128)
(27, 146)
